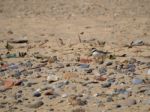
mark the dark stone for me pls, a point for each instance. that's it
(37, 94)
(106, 85)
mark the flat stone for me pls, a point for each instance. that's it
(129, 102)
(137, 43)
(106, 85)
(84, 65)
(137, 81)
(108, 63)
(78, 110)
(35, 104)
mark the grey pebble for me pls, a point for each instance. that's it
(103, 71)
(84, 65)
(137, 81)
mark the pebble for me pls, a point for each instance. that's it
(64, 95)
(84, 65)
(60, 84)
(137, 81)
(37, 94)
(88, 70)
(75, 100)
(108, 63)
(96, 95)
(78, 110)
(106, 85)
(52, 78)
(35, 104)
(137, 43)
(2, 89)
(29, 64)
(109, 99)
(129, 102)
(102, 71)
(13, 66)
(52, 96)
(131, 67)
(49, 92)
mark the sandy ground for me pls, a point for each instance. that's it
(115, 22)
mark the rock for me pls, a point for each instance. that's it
(13, 66)
(106, 85)
(109, 99)
(78, 110)
(88, 70)
(2, 89)
(131, 67)
(49, 92)
(60, 84)
(52, 96)
(100, 78)
(108, 63)
(29, 64)
(58, 65)
(111, 80)
(9, 83)
(103, 71)
(137, 81)
(75, 100)
(19, 40)
(132, 60)
(37, 94)
(18, 82)
(129, 102)
(35, 104)
(64, 96)
(17, 74)
(84, 65)
(137, 43)
(29, 84)
(52, 78)
(96, 95)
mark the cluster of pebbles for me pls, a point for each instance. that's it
(68, 79)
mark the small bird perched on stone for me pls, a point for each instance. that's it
(97, 54)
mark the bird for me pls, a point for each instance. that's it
(98, 54)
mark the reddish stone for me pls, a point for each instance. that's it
(100, 78)
(8, 83)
